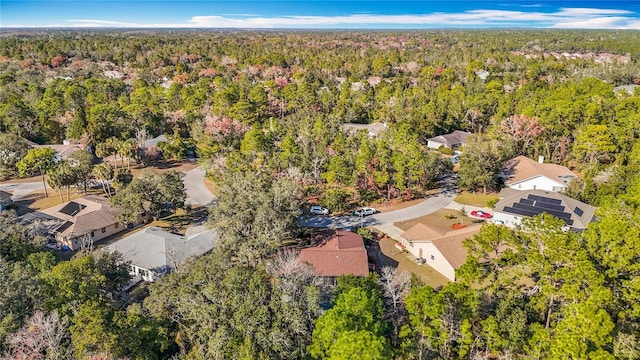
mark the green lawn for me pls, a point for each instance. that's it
(477, 199)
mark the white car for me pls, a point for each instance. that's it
(319, 210)
(364, 211)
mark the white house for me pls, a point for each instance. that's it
(453, 140)
(154, 251)
(514, 205)
(522, 173)
(444, 252)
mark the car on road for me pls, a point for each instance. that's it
(481, 214)
(319, 210)
(364, 211)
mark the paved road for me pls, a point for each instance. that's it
(20, 190)
(197, 193)
(443, 198)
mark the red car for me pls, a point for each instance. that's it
(481, 214)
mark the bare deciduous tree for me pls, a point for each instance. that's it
(40, 338)
(394, 285)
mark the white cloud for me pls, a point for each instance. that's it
(598, 23)
(563, 18)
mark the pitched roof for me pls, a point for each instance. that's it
(155, 140)
(4, 196)
(343, 253)
(373, 129)
(522, 168)
(160, 251)
(85, 214)
(455, 138)
(421, 231)
(449, 244)
(62, 150)
(574, 213)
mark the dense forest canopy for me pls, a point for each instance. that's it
(265, 113)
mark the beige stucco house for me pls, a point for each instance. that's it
(443, 251)
(82, 221)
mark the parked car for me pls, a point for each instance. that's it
(364, 211)
(319, 210)
(481, 214)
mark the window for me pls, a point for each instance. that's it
(432, 257)
(103, 230)
(117, 225)
(93, 234)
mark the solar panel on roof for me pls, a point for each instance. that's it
(548, 206)
(72, 208)
(525, 210)
(518, 211)
(544, 199)
(64, 226)
(578, 211)
(526, 201)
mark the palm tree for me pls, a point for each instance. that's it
(104, 173)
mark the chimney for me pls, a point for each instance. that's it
(540, 159)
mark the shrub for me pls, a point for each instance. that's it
(335, 199)
(446, 150)
(491, 203)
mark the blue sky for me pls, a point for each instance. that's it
(302, 14)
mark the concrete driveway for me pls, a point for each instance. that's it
(443, 198)
(20, 190)
(197, 193)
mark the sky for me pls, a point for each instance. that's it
(311, 14)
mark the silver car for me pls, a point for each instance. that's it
(319, 210)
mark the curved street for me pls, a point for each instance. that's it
(444, 197)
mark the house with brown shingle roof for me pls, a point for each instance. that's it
(81, 221)
(453, 140)
(342, 253)
(522, 173)
(443, 251)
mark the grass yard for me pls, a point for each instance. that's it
(425, 272)
(211, 186)
(441, 220)
(477, 199)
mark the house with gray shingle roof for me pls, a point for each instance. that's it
(5, 200)
(453, 140)
(153, 251)
(514, 205)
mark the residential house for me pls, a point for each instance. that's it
(62, 150)
(372, 130)
(443, 251)
(453, 140)
(342, 253)
(155, 141)
(515, 205)
(80, 222)
(5, 200)
(153, 251)
(522, 173)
